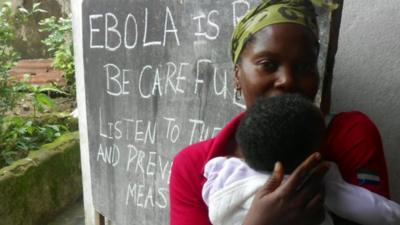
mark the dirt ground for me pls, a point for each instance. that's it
(25, 107)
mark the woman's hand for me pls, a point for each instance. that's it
(299, 200)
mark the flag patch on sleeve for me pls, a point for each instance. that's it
(365, 176)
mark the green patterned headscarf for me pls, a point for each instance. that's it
(270, 12)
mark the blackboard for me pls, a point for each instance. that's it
(158, 77)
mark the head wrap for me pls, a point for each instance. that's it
(270, 12)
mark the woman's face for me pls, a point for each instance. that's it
(281, 58)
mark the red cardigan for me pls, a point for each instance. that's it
(353, 143)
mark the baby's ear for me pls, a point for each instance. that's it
(238, 153)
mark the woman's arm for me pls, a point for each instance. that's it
(186, 205)
(354, 144)
(356, 203)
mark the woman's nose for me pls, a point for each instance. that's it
(285, 79)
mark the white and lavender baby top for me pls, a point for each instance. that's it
(231, 185)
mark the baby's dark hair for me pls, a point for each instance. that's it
(286, 128)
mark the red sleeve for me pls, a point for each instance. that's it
(187, 205)
(354, 144)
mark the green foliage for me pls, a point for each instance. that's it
(10, 22)
(20, 135)
(40, 95)
(29, 13)
(59, 30)
(64, 60)
(9, 95)
(59, 44)
(8, 58)
(40, 100)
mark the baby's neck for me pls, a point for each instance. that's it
(237, 152)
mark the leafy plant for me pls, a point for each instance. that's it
(42, 100)
(8, 58)
(39, 95)
(23, 135)
(29, 13)
(64, 60)
(19, 135)
(59, 32)
(59, 44)
(9, 22)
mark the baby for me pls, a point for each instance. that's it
(288, 129)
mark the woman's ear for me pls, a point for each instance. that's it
(236, 77)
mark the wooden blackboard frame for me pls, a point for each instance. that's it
(91, 217)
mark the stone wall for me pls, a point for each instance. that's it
(34, 189)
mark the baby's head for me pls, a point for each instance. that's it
(286, 128)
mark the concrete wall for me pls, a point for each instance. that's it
(367, 72)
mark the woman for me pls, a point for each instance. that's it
(274, 50)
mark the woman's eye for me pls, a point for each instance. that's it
(269, 66)
(305, 67)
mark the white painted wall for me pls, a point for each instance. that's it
(367, 72)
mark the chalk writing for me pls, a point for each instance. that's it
(217, 78)
(140, 131)
(94, 30)
(114, 36)
(199, 81)
(147, 163)
(169, 19)
(173, 79)
(210, 24)
(129, 18)
(116, 84)
(159, 78)
(173, 130)
(109, 154)
(205, 131)
(235, 8)
(145, 196)
(111, 29)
